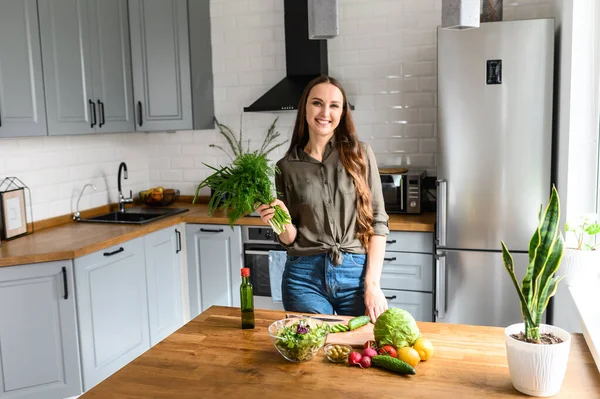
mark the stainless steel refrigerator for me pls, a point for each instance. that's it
(495, 87)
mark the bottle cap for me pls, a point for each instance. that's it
(245, 272)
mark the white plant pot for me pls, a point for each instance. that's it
(537, 370)
(579, 267)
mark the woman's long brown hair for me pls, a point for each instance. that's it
(351, 155)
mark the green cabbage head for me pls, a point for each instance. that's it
(396, 327)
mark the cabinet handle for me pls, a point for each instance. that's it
(390, 259)
(389, 298)
(101, 111)
(0, 119)
(140, 121)
(178, 233)
(114, 252)
(390, 242)
(93, 106)
(64, 273)
(211, 230)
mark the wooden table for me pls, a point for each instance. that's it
(212, 356)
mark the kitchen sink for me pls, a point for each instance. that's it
(135, 215)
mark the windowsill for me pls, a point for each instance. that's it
(586, 301)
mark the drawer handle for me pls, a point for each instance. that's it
(211, 230)
(114, 252)
(389, 298)
(390, 259)
(391, 242)
(64, 273)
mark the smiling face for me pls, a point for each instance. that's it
(324, 108)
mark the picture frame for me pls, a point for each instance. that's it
(13, 214)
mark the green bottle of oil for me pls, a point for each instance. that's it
(247, 300)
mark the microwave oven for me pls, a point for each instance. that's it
(402, 190)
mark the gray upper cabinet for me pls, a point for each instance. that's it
(111, 65)
(22, 105)
(39, 356)
(163, 276)
(161, 64)
(214, 261)
(87, 71)
(172, 64)
(112, 307)
(67, 60)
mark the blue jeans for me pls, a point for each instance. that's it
(312, 284)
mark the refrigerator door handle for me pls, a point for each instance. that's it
(441, 212)
(440, 283)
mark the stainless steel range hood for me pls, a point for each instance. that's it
(305, 60)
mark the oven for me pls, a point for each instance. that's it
(257, 242)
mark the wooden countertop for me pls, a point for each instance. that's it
(71, 240)
(212, 356)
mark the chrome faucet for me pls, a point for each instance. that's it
(122, 199)
(77, 215)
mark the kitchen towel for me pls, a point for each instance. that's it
(277, 261)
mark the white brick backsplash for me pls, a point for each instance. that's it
(419, 38)
(411, 69)
(237, 7)
(379, 39)
(428, 146)
(427, 53)
(182, 163)
(417, 100)
(427, 84)
(171, 175)
(399, 145)
(418, 130)
(428, 115)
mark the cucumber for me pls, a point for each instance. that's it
(391, 363)
(337, 328)
(359, 321)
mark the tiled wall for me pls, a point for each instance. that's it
(385, 56)
(56, 168)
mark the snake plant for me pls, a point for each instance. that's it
(540, 282)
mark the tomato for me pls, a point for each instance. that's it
(388, 350)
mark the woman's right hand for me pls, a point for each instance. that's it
(266, 212)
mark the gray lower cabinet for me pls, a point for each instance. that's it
(112, 308)
(22, 105)
(214, 261)
(418, 304)
(172, 64)
(163, 277)
(39, 353)
(407, 278)
(87, 69)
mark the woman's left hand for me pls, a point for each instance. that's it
(375, 302)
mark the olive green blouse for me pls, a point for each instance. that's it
(321, 198)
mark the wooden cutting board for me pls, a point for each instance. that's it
(356, 337)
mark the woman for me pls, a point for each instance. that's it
(329, 184)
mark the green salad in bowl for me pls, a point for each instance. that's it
(298, 340)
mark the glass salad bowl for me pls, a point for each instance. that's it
(298, 339)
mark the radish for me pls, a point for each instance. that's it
(365, 362)
(369, 352)
(354, 358)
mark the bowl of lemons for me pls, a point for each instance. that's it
(159, 196)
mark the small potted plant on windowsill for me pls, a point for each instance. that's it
(581, 262)
(538, 353)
